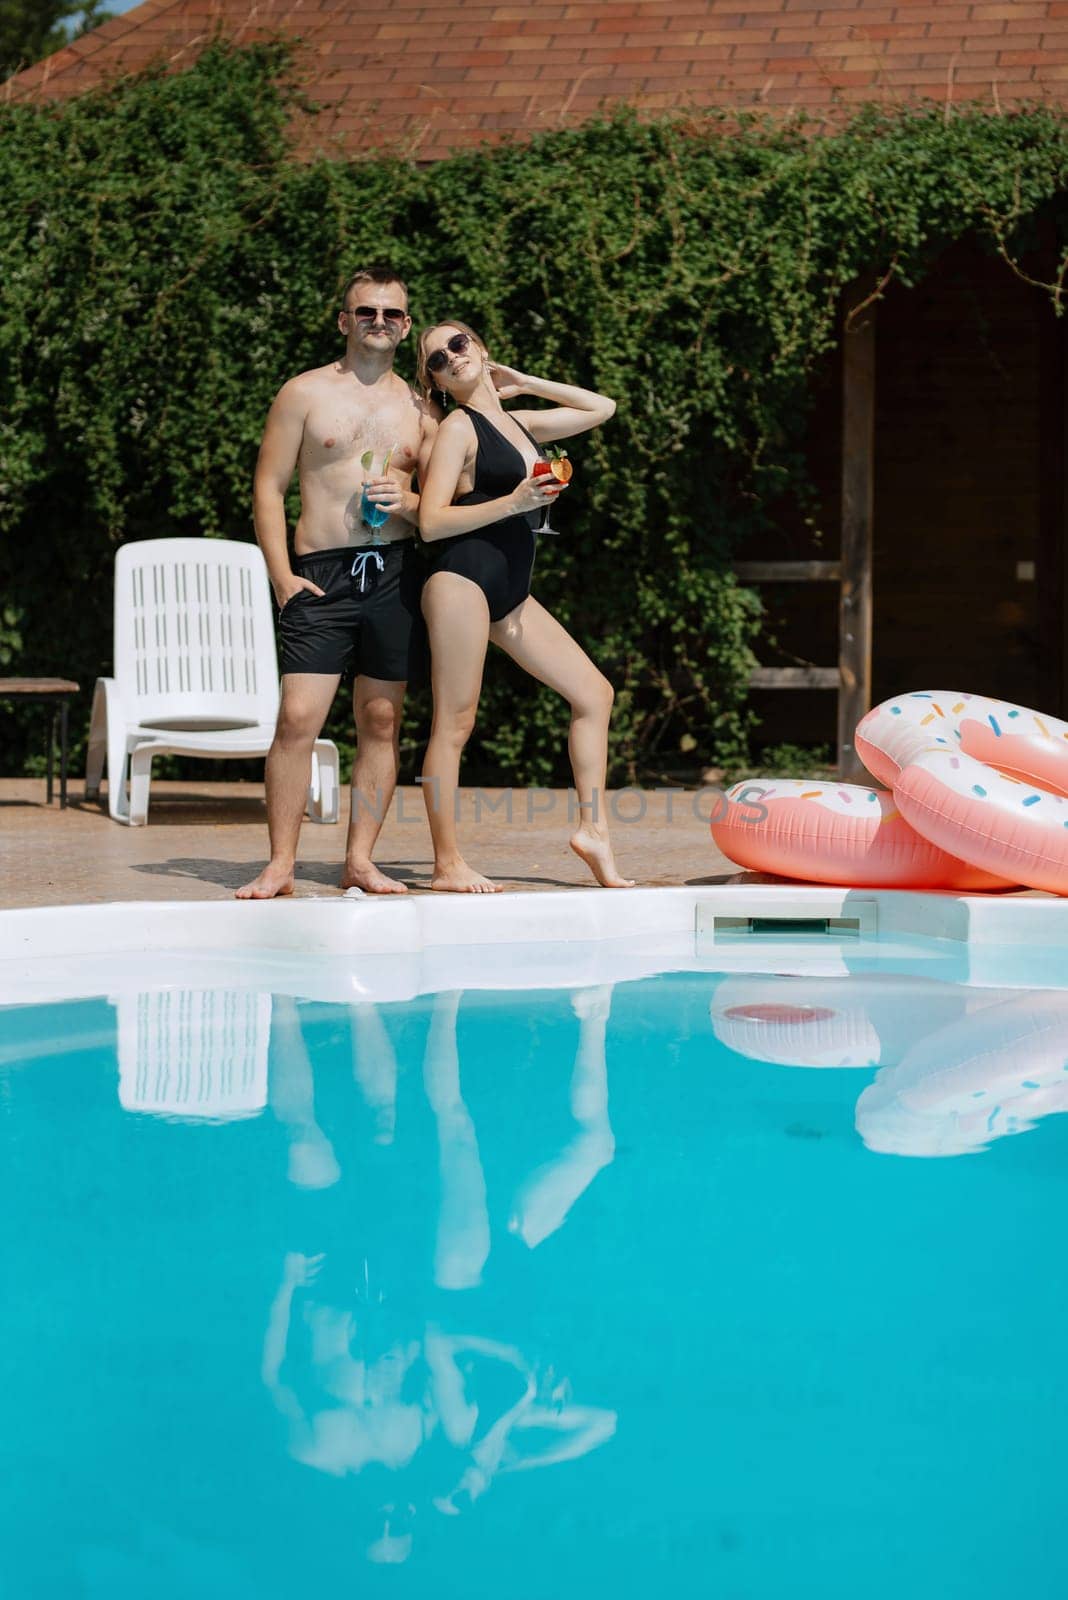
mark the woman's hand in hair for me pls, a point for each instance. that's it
(506, 380)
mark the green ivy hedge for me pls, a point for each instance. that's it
(166, 263)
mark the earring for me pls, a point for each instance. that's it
(444, 400)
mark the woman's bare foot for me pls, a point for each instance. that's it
(368, 878)
(271, 882)
(595, 850)
(459, 878)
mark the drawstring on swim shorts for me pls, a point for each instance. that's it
(358, 571)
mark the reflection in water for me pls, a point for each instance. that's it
(312, 1162)
(356, 1392)
(194, 1052)
(545, 1199)
(856, 1021)
(463, 1241)
(980, 1078)
(349, 1400)
(374, 1067)
(451, 1410)
(959, 1067)
(384, 1409)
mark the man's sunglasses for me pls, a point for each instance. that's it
(454, 346)
(370, 313)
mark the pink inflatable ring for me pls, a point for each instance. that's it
(977, 802)
(982, 778)
(835, 833)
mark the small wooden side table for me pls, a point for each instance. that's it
(57, 691)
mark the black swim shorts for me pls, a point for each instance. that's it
(368, 617)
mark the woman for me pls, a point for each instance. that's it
(479, 507)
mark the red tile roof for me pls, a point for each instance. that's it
(438, 74)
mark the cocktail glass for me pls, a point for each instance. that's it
(371, 515)
(559, 465)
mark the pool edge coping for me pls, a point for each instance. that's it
(340, 925)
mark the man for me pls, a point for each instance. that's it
(357, 432)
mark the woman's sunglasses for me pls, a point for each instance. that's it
(454, 346)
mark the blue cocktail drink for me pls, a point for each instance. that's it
(371, 515)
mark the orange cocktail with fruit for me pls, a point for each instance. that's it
(558, 463)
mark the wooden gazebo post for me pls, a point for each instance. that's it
(858, 478)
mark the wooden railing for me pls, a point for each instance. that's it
(852, 572)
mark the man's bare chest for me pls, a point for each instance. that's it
(340, 434)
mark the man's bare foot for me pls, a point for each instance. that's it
(271, 882)
(595, 850)
(459, 878)
(370, 880)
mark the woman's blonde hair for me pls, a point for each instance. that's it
(422, 376)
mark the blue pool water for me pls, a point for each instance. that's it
(553, 1293)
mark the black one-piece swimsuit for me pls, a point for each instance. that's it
(500, 557)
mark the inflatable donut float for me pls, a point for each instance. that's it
(975, 1081)
(977, 801)
(795, 1021)
(836, 833)
(982, 778)
(865, 1020)
(959, 1067)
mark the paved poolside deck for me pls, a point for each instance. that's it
(204, 839)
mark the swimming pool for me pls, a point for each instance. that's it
(742, 1278)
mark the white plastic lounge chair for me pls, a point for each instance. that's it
(196, 672)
